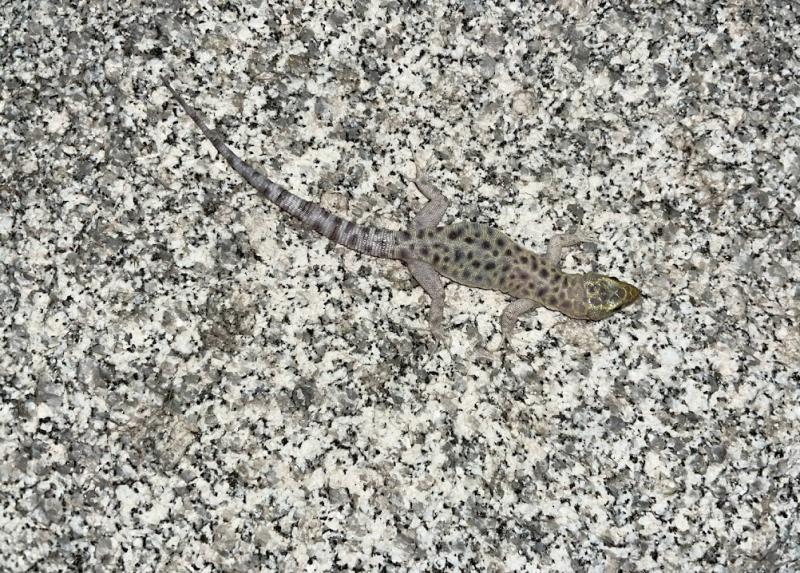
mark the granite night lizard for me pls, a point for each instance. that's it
(471, 254)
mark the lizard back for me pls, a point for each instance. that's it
(481, 256)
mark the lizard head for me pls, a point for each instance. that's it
(606, 295)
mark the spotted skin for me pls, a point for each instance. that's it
(480, 256)
(471, 254)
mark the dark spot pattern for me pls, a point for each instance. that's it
(481, 256)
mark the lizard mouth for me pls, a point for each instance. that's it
(630, 294)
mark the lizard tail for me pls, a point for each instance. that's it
(368, 240)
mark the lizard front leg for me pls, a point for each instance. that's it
(559, 242)
(431, 282)
(511, 314)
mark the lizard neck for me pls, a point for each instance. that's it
(560, 291)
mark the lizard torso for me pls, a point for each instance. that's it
(481, 256)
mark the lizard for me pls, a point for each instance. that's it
(471, 254)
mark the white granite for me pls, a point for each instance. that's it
(190, 382)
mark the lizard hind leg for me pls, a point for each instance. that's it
(431, 283)
(432, 212)
(559, 242)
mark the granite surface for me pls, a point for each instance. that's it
(191, 382)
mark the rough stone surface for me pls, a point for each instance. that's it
(190, 382)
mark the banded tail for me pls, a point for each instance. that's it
(369, 240)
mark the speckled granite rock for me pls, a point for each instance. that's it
(192, 383)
